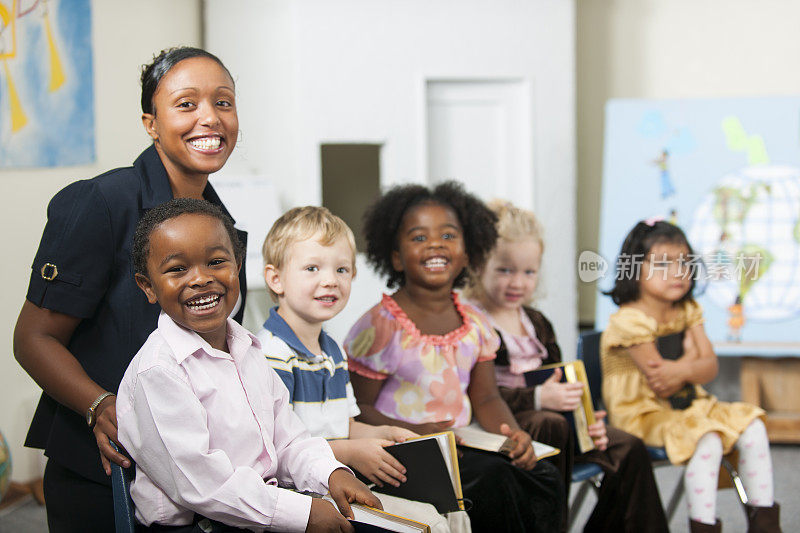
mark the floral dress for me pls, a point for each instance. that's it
(425, 380)
(635, 408)
(426, 376)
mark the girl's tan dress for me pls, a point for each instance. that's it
(635, 408)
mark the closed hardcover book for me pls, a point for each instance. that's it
(369, 520)
(432, 474)
(473, 436)
(582, 416)
(671, 347)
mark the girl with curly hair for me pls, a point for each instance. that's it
(423, 360)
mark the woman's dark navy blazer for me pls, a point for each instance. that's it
(83, 268)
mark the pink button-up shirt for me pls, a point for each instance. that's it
(214, 433)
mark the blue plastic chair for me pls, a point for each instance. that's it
(589, 352)
(124, 521)
(589, 475)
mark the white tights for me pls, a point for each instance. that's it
(755, 466)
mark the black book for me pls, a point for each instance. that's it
(671, 347)
(432, 474)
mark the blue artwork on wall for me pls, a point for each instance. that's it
(46, 83)
(727, 171)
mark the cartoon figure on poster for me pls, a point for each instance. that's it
(667, 189)
(731, 167)
(46, 83)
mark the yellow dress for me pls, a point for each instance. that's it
(635, 408)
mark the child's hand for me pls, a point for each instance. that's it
(522, 455)
(397, 434)
(558, 396)
(665, 377)
(344, 488)
(598, 431)
(325, 517)
(368, 457)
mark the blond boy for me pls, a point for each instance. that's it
(309, 258)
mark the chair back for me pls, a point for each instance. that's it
(124, 521)
(589, 353)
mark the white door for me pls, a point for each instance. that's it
(480, 132)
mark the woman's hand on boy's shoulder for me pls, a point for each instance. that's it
(522, 455)
(345, 489)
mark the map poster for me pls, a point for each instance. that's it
(46, 83)
(727, 171)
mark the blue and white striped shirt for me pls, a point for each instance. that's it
(319, 385)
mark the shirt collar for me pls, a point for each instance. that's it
(155, 182)
(185, 342)
(278, 326)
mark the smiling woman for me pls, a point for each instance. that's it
(192, 120)
(84, 317)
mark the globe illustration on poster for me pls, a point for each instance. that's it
(747, 229)
(727, 172)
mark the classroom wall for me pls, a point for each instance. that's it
(125, 35)
(313, 71)
(671, 49)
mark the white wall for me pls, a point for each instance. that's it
(672, 49)
(313, 71)
(125, 35)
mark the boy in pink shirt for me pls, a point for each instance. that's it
(206, 419)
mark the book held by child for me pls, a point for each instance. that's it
(432, 473)
(582, 416)
(370, 520)
(473, 436)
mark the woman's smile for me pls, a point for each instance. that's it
(210, 144)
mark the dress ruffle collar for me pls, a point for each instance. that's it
(448, 339)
